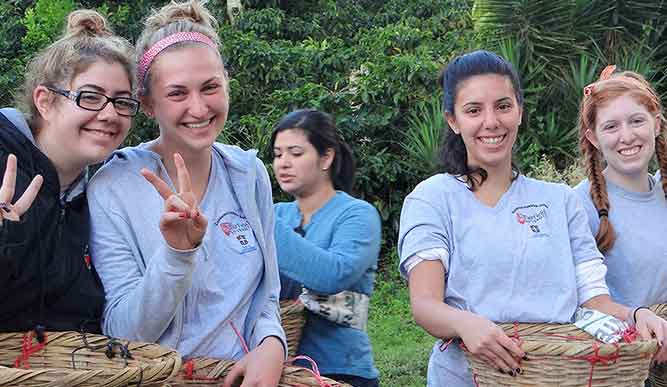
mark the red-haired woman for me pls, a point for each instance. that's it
(622, 127)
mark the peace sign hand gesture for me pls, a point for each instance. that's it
(182, 224)
(14, 211)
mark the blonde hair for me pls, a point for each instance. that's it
(599, 94)
(87, 39)
(189, 16)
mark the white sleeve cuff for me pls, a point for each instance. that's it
(434, 254)
(591, 280)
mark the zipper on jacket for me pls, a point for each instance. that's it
(62, 212)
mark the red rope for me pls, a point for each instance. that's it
(190, 372)
(27, 350)
(190, 364)
(241, 339)
(597, 358)
(567, 337)
(314, 371)
(628, 336)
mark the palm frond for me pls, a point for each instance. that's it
(424, 135)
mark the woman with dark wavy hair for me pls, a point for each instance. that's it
(328, 242)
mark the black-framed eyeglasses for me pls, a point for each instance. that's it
(94, 101)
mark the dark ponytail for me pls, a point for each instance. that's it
(454, 156)
(320, 130)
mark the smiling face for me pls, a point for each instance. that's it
(189, 97)
(625, 133)
(487, 115)
(298, 167)
(87, 137)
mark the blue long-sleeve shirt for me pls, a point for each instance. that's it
(339, 251)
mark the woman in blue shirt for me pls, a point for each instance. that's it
(327, 241)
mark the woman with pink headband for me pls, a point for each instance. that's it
(182, 232)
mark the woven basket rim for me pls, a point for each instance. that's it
(64, 358)
(214, 370)
(567, 340)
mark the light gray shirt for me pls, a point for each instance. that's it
(511, 262)
(637, 263)
(187, 299)
(225, 280)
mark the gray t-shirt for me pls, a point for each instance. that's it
(231, 247)
(511, 262)
(637, 263)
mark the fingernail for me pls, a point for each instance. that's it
(519, 371)
(512, 373)
(501, 371)
(183, 215)
(525, 357)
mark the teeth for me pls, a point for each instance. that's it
(491, 140)
(100, 133)
(198, 124)
(630, 151)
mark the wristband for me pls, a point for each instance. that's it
(634, 313)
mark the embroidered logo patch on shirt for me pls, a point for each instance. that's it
(237, 232)
(534, 217)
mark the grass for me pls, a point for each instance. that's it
(400, 347)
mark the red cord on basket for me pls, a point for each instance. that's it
(315, 371)
(597, 358)
(27, 350)
(190, 372)
(241, 339)
(190, 364)
(630, 335)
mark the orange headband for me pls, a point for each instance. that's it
(604, 75)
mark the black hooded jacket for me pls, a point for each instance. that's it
(46, 276)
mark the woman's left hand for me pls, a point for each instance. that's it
(14, 211)
(649, 325)
(261, 367)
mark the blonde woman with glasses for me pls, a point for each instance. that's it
(48, 281)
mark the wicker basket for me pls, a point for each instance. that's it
(565, 356)
(72, 359)
(293, 319)
(206, 372)
(658, 375)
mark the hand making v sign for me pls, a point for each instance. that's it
(182, 224)
(14, 211)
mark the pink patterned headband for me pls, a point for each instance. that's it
(162, 44)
